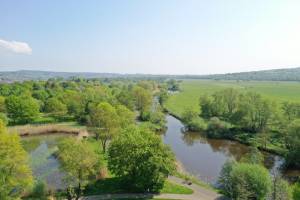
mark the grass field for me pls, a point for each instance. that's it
(191, 90)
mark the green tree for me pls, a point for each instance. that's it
(293, 143)
(143, 99)
(296, 191)
(291, 110)
(245, 181)
(22, 109)
(126, 117)
(15, 173)
(55, 107)
(280, 189)
(140, 157)
(79, 161)
(2, 104)
(104, 122)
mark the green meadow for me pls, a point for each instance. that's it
(191, 90)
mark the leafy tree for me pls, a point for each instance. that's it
(296, 191)
(253, 157)
(293, 143)
(55, 107)
(126, 98)
(141, 159)
(143, 99)
(126, 117)
(2, 104)
(217, 128)
(280, 189)
(39, 191)
(79, 161)
(104, 121)
(246, 181)
(291, 110)
(22, 109)
(15, 173)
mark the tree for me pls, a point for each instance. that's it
(293, 143)
(2, 104)
(126, 117)
(141, 159)
(22, 109)
(280, 189)
(79, 161)
(104, 122)
(245, 181)
(55, 107)
(143, 99)
(291, 110)
(15, 173)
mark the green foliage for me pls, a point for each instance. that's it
(125, 116)
(79, 161)
(4, 118)
(253, 157)
(55, 107)
(293, 143)
(21, 109)
(217, 128)
(280, 189)
(15, 173)
(39, 191)
(296, 191)
(104, 122)
(245, 181)
(143, 99)
(140, 158)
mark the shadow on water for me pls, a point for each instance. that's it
(204, 157)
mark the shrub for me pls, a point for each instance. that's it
(217, 128)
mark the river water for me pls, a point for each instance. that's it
(198, 155)
(204, 158)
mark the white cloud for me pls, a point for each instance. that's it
(16, 47)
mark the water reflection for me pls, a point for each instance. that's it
(204, 157)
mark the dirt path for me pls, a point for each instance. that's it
(200, 193)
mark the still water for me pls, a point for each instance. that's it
(205, 157)
(44, 164)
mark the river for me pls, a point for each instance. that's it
(198, 155)
(204, 158)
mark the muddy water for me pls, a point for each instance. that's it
(205, 157)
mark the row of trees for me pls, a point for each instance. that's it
(70, 99)
(249, 117)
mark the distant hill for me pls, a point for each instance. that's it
(291, 74)
(23, 75)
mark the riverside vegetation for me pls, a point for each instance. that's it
(113, 159)
(121, 151)
(259, 114)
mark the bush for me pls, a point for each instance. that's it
(39, 191)
(197, 124)
(296, 191)
(217, 128)
(245, 181)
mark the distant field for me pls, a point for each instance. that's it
(193, 89)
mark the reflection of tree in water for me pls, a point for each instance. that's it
(227, 147)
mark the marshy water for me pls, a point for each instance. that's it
(198, 155)
(44, 164)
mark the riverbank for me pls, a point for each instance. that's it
(270, 148)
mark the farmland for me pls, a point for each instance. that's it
(191, 90)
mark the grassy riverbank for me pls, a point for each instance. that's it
(191, 90)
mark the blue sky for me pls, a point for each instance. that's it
(149, 36)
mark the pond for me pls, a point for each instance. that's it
(205, 157)
(44, 164)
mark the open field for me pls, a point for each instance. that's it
(191, 90)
